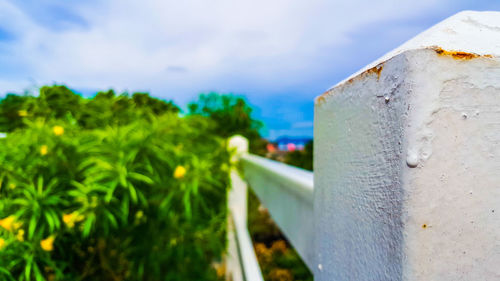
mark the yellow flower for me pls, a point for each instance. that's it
(280, 274)
(220, 269)
(22, 113)
(12, 185)
(68, 219)
(16, 225)
(72, 218)
(139, 214)
(47, 244)
(8, 222)
(44, 149)
(179, 172)
(20, 235)
(58, 130)
(279, 246)
(2, 243)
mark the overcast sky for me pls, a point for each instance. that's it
(279, 54)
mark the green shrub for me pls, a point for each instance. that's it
(301, 158)
(110, 191)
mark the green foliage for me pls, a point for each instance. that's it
(59, 102)
(232, 116)
(301, 158)
(109, 188)
(10, 109)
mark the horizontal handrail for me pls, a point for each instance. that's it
(287, 192)
(298, 180)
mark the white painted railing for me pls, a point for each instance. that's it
(287, 192)
(241, 262)
(407, 166)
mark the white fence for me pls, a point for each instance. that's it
(407, 167)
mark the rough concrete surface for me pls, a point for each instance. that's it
(407, 161)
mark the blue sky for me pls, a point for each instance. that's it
(279, 54)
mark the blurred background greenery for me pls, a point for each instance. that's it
(126, 187)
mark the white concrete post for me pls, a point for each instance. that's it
(241, 261)
(407, 161)
(238, 193)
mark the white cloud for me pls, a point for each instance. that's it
(131, 44)
(177, 49)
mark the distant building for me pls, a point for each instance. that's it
(291, 143)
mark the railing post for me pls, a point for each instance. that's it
(241, 262)
(407, 161)
(238, 193)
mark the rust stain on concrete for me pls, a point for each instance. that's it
(459, 55)
(374, 70)
(321, 98)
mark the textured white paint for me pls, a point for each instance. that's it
(287, 192)
(407, 161)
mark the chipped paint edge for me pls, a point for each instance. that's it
(377, 69)
(459, 55)
(445, 34)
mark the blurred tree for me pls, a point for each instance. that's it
(232, 115)
(102, 103)
(57, 101)
(157, 106)
(12, 108)
(60, 102)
